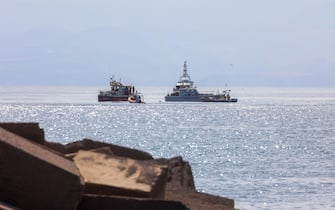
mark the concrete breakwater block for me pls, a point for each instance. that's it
(88, 144)
(29, 130)
(101, 202)
(6, 206)
(198, 201)
(180, 173)
(104, 150)
(112, 175)
(33, 177)
(32, 132)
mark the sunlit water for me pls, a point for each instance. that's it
(274, 149)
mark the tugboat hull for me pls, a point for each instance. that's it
(118, 92)
(112, 98)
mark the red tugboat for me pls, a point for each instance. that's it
(118, 92)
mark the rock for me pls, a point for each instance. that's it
(91, 202)
(33, 177)
(88, 144)
(112, 175)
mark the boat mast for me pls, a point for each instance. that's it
(185, 74)
(185, 79)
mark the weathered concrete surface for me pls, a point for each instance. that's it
(112, 175)
(199, 201)
(103, 150)
(29, 130)
(32, 132)
(88, 144)
(181, 187)
(6, 206)
(91, 202)
(180, 173)
(32, 177)
(25, 174)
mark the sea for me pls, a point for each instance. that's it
(273, 149)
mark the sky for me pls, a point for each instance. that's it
(281, 43)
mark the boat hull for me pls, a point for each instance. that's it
(233, 100)
(113, 98)
(197, 99)
(183, 98)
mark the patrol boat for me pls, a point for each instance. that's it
(184, 91)
(117, 92)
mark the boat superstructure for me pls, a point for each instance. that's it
(186, 91)
(117, 92)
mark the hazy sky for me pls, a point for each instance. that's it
(234, 42)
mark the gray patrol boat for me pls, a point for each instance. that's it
(185, 91)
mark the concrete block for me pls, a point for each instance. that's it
(32, 177)
(112, 175)
(29, 130)
(88, 144)
(90, 202)
(104, 150)
(6, 206)
(199, 201)
(180, 173)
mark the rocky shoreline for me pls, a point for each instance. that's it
(87, 174)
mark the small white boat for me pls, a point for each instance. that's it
(137, 98)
